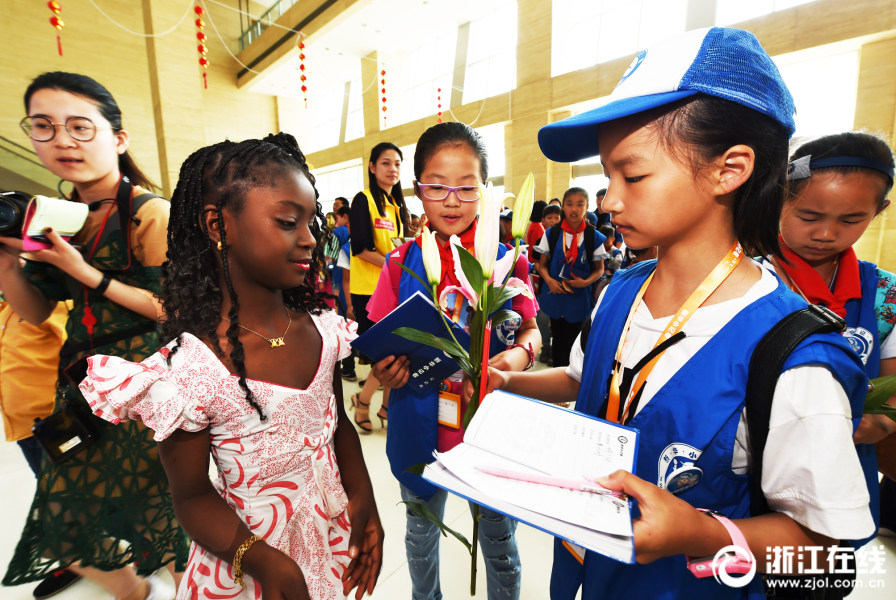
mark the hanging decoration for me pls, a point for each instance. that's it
(201, 48)
(440, 105)
(56, 22)
(302, 67)
(383, 82)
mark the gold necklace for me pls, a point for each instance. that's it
(275, 342)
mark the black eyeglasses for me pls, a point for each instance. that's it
(42, 129)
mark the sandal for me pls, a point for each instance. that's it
(360, 424)
(383, 418)
(354, 401)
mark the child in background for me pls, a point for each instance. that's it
(568, 265)
(414, 226)
(837, 185)
(29, 359)
(342, 278)
(447, 155)
(712, 152)
(243, 254)
(614, 260)
(534, 233)
(549, 218)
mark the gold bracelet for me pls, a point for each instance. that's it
(238, 559)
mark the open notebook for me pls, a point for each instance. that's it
(520, 434)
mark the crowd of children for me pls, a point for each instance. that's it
(646, 321)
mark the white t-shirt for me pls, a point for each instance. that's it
(344, 261)
(544, 248)
(820, 484)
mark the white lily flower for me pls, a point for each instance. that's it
(522, 208)
(488, 231)
(431, 260)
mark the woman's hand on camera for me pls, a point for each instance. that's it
(65, 257)
(10, 250)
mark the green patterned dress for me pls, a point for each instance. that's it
(110, 505)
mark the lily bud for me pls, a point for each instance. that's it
(522, 208)
(431, 260)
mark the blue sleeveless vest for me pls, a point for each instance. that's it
(414, 419)
(577, 306)
(695, 415)
(863, 337)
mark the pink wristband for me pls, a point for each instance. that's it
(731, 560)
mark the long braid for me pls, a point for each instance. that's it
(220, 175)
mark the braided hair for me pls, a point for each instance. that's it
(222, 175)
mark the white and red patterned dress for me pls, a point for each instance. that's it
(279, 475)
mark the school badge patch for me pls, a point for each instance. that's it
(676, 469)
(861, 340)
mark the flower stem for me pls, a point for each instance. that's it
(475, 549)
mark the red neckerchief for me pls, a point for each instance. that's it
(467, 240)
(573, 251)
(847, 284)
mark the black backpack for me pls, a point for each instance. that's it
(765, 367)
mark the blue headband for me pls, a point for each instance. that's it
(801, 168)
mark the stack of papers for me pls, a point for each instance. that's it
(523, 435)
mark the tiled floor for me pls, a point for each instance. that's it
(535, 546)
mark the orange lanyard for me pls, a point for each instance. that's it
(719, 274)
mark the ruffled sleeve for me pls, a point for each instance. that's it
(345, 332)
(118, 390)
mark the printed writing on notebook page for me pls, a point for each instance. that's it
(554, 441)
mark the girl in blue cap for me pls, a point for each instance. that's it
(695, 141)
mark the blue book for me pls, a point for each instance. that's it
(429, 366)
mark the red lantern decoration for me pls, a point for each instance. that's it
(440, 105)
(301, 47)
(383, 82)
(201, 48)
(56, 22)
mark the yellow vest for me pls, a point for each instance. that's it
(366, 274)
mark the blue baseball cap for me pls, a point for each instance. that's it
(718, 61)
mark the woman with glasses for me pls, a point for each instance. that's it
(378, 216)
(108, 506)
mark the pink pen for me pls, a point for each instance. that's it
(570, 484)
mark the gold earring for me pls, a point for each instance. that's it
(220, 247)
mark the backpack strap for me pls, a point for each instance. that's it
(765, 367)
(554, 237)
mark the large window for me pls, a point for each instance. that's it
(493, 136)
(326, 106)
(824, 90)
(354, 126)
(491, 54)
(345, 180)
(589, 32)
(729, 12)
(428, 69)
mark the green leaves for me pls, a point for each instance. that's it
(506, 294)
(472, 269)
(415, 276)
(449, 347)
(503, 315)
(423, 511)
(875, 402)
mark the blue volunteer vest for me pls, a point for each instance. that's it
(693, 418)
(576, 306)
(863, 337)
(414, 419)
